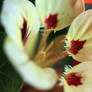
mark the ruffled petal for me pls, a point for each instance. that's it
(19, 18)
(79, 38)
(58, 14)
(79, 78)
(33, 74)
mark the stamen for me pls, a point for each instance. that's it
(51, 21)
(76, 46)
(41, 52)
(73, 79)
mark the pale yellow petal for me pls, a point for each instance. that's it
(18, 16)
(60, 13)
(81, 29)
(84, 70)
(33, 74)
(31, 42)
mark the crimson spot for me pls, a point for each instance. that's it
(73, 79)
(24, 32)
(75, 62)
(76, 46)
(24, 29)
(51, 21)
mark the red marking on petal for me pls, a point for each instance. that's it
(75, 62)
(24, 29)
(51, 21)
(76, 46)
(26, 38)
(73, 79)
(24, 32)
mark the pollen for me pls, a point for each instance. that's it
(76, 46)
(73, 79)
(41, 52)
(51, 21)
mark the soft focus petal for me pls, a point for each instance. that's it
(31, 42)
(33, 74)
(79, 78)
(79, 38)
(19, 18)
(58, 14)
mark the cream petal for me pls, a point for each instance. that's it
(59, 14)
(86, 80)
(81, 29)
(19, 17)
(31, 42)
(33, 28)
(33, 74)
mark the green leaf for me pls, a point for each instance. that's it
(10, 81)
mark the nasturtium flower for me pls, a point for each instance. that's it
(78, 78)
(22, 28)
(58, 14)
(22, 24)
(79, 38)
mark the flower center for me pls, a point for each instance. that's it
(76, 46)
(73, 79)
(51, 21)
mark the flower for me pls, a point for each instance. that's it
(79, 78)
(79, 40)
(22, 24)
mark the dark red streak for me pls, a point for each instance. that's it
(75, 62)
(24, 29)
(73, 79)
(76, 46)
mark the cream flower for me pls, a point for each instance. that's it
(22, 24)
(22, 28)
(79, 78)
(79, 39)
